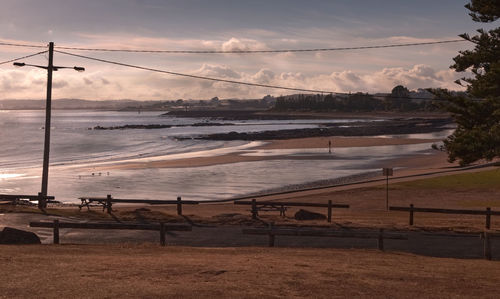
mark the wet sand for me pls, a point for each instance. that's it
(298, 143)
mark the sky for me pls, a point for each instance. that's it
(230, 25)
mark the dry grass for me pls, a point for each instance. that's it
(113, 271)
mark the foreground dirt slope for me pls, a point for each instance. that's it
(112, 271)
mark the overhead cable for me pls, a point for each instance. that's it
(27, 56)
(259, 51)
(21, 45)
(195, 76)
(244, 83)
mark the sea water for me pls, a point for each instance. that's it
(76, 149)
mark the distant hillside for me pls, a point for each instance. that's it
(74, 104)
(212, 104)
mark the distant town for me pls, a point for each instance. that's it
(400, 99)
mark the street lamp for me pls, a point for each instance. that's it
(54, 68)
(42, 201)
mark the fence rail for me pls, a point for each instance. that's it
(277, 231)
(162, 227)
(412, 209)
(15, 197)
(108, 201)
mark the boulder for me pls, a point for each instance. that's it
(308, 215)
(11, 235)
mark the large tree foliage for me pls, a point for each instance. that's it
(478, 116)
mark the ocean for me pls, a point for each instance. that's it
(76, 149)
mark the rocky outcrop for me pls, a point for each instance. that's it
(370, 128)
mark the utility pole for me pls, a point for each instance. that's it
(42, 202)
(42, 196)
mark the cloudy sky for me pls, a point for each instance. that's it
(231, 25)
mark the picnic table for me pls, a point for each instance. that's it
(108, 201)
(282, 207)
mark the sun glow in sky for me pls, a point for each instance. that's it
(231, 25)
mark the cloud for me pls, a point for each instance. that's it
(419, 76)
(143, 85)
(217, 71)
(235, 44)
(57, 84)
(263, 76)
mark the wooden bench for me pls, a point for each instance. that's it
(269, 207)
(162, 227)
(282, 207)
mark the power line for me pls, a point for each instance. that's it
(260, 51)
(22, 45)
(194, 76)
(27, 56)
(245, 83)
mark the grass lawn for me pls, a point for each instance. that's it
(489, 179)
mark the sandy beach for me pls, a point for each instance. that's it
(216, 260)
(298, 143)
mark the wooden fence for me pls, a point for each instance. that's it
(282, 206)
(272, 231)
(486, 236)
(162, 227)
(107, 202)
(488, 212)
(17, 197)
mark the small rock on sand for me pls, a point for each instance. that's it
(308, 215)
(11, 235)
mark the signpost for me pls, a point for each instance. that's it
(387, 172)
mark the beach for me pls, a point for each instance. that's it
(153, 156)
(287, 144)
(217, 259)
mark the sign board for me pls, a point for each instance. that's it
(387, 171)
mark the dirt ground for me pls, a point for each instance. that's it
(149, 271)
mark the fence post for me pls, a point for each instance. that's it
(179, 205)
(487, 246)
(330, 211)
(254, 208)
(271, 235)
(411, 214)
(108, 204)
(381, 239)
(162, 234)
(488, 217)
(42, 201)
(56, 231)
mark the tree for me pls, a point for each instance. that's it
(477, 115)
(400, 92)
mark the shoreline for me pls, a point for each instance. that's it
(286, 115)
(282, 144)
(411, 164)
(276, 145)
